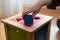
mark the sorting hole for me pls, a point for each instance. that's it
(18, 19)
(37, 18)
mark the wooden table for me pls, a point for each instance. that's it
(40, 30)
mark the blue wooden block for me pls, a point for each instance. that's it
(28, 19)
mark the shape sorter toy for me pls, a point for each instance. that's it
(16, 30)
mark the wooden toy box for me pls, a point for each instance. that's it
(16, 30)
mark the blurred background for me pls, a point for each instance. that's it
(9, 7)
(12, 7)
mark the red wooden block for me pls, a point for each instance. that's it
(28, 25)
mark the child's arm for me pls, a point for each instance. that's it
(36, 7)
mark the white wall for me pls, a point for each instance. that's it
(0, 5)
(6, 7)
(19, 6)
(10, 6)
(29, 2)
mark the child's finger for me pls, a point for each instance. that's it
(34, 13)
(24, 13)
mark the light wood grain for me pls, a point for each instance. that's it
(2, 32)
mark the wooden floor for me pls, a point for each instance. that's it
(55, 33)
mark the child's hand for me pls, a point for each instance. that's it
(33, 9)
(36, 8)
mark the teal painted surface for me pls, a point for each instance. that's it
(41, 34)
(13, 35)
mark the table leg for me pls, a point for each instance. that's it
(6, 33)
(48, 33)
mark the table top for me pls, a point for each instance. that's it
(37, 23)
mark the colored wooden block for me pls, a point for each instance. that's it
(28, 20)
(14, 35)
(41, 34)
(16, 30)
